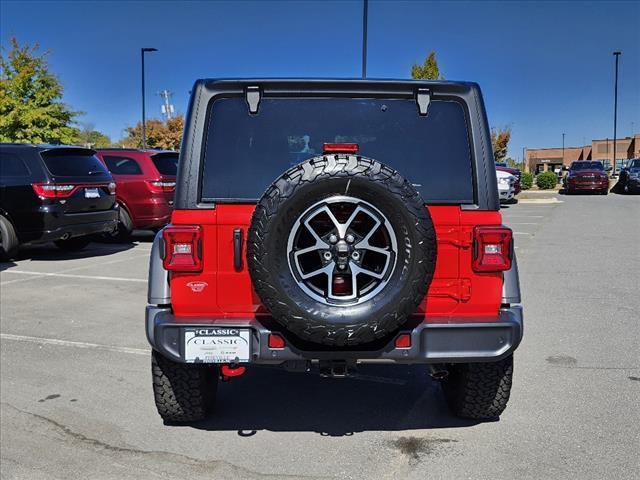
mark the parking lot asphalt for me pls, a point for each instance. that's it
(76, 398)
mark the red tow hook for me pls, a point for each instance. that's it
(228, 371)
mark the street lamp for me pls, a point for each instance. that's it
(563, 148)
(144, 120)
(615, 113)
(365, 21)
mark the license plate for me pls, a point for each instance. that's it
(91, 193)
(217, 345)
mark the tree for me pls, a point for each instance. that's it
(428, 70)
(89, 137)
(159, 134)
(500, 142)
(31, 107)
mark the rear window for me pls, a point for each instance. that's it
(122, 165)
(245, 153)
(166, 163)
(68, 163)
(12, 166)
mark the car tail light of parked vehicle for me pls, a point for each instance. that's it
(183, 248)
(55, 190)
(492, 249)
(157, 186)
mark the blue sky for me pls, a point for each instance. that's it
(545, 67)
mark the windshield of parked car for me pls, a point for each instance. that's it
(166, 163)
(587, 166)
(634, 164)
(245, 153)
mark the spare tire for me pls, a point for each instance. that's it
(341, 250)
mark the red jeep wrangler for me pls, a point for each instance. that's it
(322, 224)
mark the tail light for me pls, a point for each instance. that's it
(340, 148)
(158, 186)
(492, 249)
(53, 190)
(182, 248)
(275, 341)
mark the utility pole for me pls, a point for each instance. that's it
(615, 113)
(365, 21)
(563, 148)
(167, 108)
(144, 119)
(524, 156)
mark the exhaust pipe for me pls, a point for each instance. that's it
(438, 372)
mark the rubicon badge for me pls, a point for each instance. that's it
(197, 287)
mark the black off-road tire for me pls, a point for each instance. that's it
(183, 392)
(8, 240)
(300, 188)
(479, 390)
(74, 244)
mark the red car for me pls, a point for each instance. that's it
(501, 166)
(145, 183)
(587, 176)
(341, 260)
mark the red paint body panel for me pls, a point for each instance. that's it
(457, 293)
(147, 209)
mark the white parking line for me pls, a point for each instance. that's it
(65, 275)
(522, 223)
(522, 233)
(526, 216)
(67, 343)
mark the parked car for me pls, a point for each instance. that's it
(506, 186)
(146, 181)
(335, 263)
(53, 193)
(630, 176)
(503, 167)
(586, 175)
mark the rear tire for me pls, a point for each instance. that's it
(74, 244)
(479, 390)
(125, 227)
(183, 392)
(8, 240)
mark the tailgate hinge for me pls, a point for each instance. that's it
(253, 96)
(456, 288)
(461, 238)
(423, 97)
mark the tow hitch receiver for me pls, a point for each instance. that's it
(336, 369)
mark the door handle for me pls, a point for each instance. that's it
(237, 249)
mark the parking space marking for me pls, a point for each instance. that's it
(522, 233)
(67, 275)
(522, 223)
(68, 343)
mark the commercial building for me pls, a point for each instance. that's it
(552, 159)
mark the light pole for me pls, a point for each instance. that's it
(524, 156)
(615, 113)
(563, 148)
(144, 120)
(365, 21)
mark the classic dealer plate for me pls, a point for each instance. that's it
(217, 345)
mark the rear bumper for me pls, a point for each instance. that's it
(588, 186)
(57, 225)
(479, 341)
(154, 211)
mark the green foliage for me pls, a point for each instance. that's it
(500, 143)
(428, 70)
(526, 180)
(89, 137)
(31, 108)
(546, 180)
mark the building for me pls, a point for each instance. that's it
(551, 159)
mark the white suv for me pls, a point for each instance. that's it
(506, 182)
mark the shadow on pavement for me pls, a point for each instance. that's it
(379, 398)
(49, 252)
